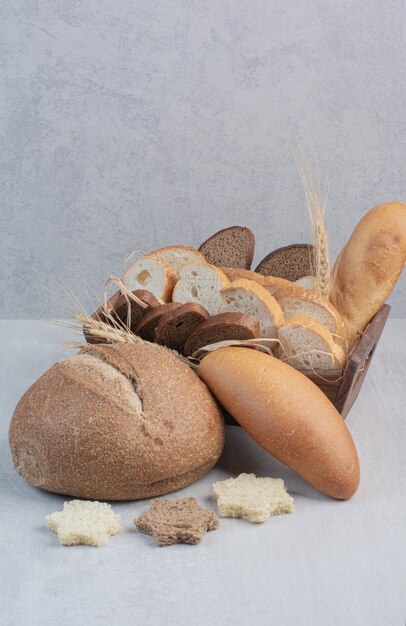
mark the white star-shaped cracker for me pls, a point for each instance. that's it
(251, 498)
(84, 522)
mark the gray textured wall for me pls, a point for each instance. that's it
(135, 124)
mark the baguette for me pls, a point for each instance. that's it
(369, 265)
(286, 414)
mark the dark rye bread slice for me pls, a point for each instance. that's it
(290, 262)
(117, 308)
(222, 327)
(175, 326)
(230, 247)
(146, 326)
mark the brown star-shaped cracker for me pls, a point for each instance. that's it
(176, 521)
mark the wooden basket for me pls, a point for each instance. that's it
(344, 392)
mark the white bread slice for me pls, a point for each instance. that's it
(84, 522)
(295, 300)
(308, 345)
(252, 498)
(152, 274)
(177, 256)
(245, 296)
(202, 283)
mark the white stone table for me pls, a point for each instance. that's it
(329, 564)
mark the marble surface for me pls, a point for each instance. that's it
(335, 563)
(135, 124)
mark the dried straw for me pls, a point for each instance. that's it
(315, 209)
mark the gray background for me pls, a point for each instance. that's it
(136, 124)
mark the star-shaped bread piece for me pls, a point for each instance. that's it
(84, 522)
(251, 498)
(176, 521)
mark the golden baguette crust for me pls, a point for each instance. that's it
(286, 414)
(80, 433)
(270, 283)
(369, 265)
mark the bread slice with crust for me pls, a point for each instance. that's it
(290, 262)
(245, 296)
(175, 326)
(295, 300)
(270, 283)
(230, 247)
(201, 283)
(177, 256)
(308, 345)
(148, 323)
(152, 274)
(222, 327)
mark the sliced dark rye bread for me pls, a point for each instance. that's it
(117, 308)
(230, 247)
(290, 262)
(222, 327)
(175, 326)
(146, 326)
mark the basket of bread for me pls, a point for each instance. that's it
(193, 336)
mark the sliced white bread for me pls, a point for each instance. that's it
(202, 283)
(247, 296)
(295, 300)
(152, 274)
(308, 345)
(177, 256)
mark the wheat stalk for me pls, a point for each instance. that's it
(315, 209)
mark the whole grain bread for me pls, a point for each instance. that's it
(116, 422)
(147, 324)
(222, 327)
(177, 521)
(231, 247)
(289, 262)
(121, 309)
(175, 326)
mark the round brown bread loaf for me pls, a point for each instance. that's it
(116, 422)
(222, 327)
(287, 414)
(175, 326)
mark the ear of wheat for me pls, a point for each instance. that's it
(315, 209)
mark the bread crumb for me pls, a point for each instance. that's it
(251, 498)
(84, 522)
